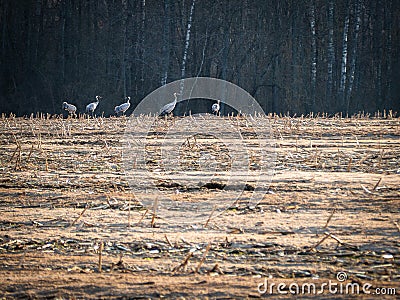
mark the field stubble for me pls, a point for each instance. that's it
(71, 226)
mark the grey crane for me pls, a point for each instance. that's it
(215, 107)
(122, 108)
(90, 108)
(70, 108)
(168, 108)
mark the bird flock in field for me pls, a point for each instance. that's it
(122, 108)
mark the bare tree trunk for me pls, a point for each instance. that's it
(313, 55)
(142, 41)
(389, 18)
(225, 53)
(109, 37)
(354, 53)
(294, 91)
(187, 40)
(331, 53)
(63, 21)
(343, 69)
(379, 44)
(166, 43)
(275, 100)
(77, 28)
(124, 33)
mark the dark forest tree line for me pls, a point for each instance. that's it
(289, 55)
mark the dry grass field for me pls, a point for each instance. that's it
(71, 227)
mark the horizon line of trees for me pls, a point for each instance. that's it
(313, 56)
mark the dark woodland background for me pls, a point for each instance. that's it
(297, 56)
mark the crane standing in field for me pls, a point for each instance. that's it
(122, 108)
(90, 108)
(215, 107)
(70, 108)
(168, 108)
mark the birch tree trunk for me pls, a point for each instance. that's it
(225, 53)
(343, 69)
(293, 53)
(124, 33)
(109, 45)
(313, 55)
(331, 53)
(379, 44)
(187, 40)
(275, 100)
(62, 46)
(389, 18)
(354, 53)
(166, 43)
(142, 41)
